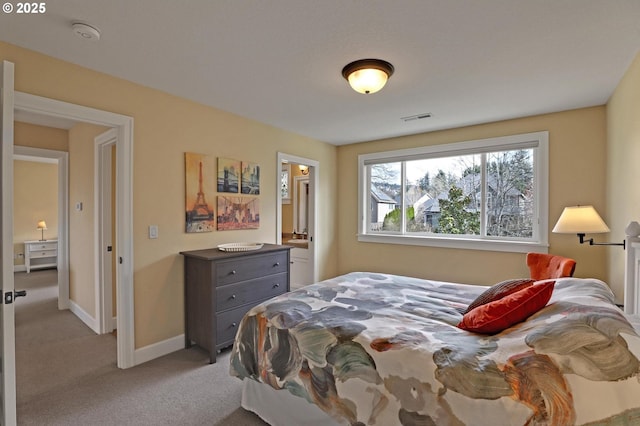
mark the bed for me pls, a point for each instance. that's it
(379, 349)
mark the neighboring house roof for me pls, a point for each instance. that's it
(380, 196)
(428, 204)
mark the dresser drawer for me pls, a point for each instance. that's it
(243, 269)
(228, 323)
(232, 295)
(40, 254)
(45, 245)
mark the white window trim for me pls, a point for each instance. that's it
(540, 241)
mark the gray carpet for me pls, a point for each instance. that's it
(67, 375)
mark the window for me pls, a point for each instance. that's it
(489, 194)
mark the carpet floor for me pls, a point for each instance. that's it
(67, 375)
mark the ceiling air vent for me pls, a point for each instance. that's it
(416, 117)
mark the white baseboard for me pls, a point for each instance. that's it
(156, 350)
(84, 316)
(140, 355)
(19, 268)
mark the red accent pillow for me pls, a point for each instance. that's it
(500, 290)
(501, 314)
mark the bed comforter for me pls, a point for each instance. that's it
(381, 349)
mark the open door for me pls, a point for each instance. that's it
(105, 202)
(7, 312)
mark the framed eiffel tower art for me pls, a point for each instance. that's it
(200, 181)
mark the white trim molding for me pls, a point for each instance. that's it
(156, 350)
(84, 316)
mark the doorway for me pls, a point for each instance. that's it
(61, 159)
(298, 180)
(27, 105)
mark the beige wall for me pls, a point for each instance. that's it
(623, 173)
(165, 128)
(35, 190)
(82, 222)
(577, 171)
(31, 135)
(35, 198)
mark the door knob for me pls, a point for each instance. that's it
(10, 296)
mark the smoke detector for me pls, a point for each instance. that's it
(86, 31)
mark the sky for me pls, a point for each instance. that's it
(418, 168)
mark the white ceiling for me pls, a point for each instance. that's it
(279, 61)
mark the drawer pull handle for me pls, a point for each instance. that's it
(277, 264)
(233, 297)
(233, 272)
(233, 324)
(276, 285)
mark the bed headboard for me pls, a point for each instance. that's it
(632, 270)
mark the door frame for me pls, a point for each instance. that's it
(27, 153)
(314, 179)
(123, 124)
(7, 311)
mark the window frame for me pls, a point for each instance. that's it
(539, 241)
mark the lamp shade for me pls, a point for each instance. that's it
(367, 75)
(580, 220)
(42, 225)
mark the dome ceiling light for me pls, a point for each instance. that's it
(367, 75)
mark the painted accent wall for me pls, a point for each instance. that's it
(577, 161)
(623, 171)
(166, 127)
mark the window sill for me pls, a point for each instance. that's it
(456, 243)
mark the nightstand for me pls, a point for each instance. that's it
(40, 254)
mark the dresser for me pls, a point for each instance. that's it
(40, 254)
(220, 287)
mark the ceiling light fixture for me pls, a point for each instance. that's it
(367, 75)
(86, 31)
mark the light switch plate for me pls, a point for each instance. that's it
(153, 231)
